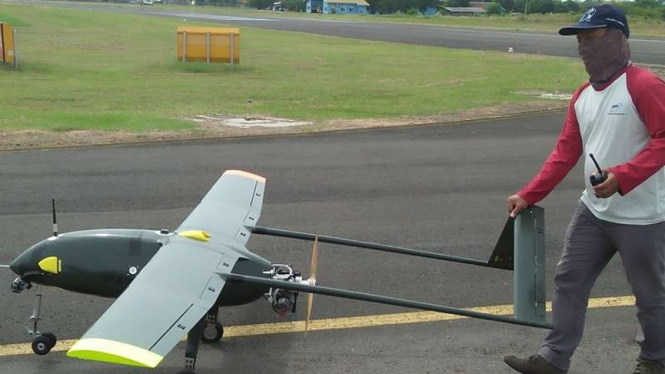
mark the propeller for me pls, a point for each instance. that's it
(312, 282)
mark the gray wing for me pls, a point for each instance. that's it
(181, 282)
(233, 204)
(166, 300)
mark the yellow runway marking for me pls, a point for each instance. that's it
(342, 323)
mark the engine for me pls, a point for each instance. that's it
(283, 301)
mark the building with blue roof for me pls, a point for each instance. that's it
(337, 6)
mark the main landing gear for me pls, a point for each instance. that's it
(208, 330)
(213, 331)
(43, 342)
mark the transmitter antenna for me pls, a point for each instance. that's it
(595, 163)
(55, 221)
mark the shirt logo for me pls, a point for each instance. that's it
(615, 109)
(588, 15)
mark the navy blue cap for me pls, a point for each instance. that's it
(599, 17)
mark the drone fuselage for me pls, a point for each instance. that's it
(105, 262)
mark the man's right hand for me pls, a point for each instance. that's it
(515, 204)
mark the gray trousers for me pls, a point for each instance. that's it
(590, 243)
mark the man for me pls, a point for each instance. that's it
(619, 117)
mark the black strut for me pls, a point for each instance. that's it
(361, 244)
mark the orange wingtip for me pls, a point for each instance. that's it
(245, 174)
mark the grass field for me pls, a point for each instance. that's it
(107, 71)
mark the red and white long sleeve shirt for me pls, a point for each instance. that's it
(623, 124)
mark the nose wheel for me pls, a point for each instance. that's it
(43, 343)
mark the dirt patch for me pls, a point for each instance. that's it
(206, 129)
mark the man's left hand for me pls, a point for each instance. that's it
(607, 188)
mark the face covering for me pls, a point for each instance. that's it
(605, 56)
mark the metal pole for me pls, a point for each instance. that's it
(529, 284)
(360, 244)
(14, 51)
(354, 295)
(3, 59)
(36, 311)
(208, 48)
(184, 46)
(231, 43)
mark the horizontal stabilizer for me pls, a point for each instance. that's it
(504, 251)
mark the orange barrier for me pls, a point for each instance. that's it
(209, 44)
(7, 47)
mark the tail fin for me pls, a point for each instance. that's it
(521, 248)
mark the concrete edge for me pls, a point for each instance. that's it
(211, 139)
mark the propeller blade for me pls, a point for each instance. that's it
(312, 282)
(315, 253)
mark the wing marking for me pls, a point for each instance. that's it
(105, 350)
(200, 235)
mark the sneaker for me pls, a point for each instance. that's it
(536, 364)
(646, 366)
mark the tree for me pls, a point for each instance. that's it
(541, 6)
(648, 3)
(508, 5)
(294, 5)
(422, 5)
(260, 4)
(572, 6)
(386, 6)
(457, 3)
(495, 9)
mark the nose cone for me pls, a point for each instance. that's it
(27, 262)
(15, 266)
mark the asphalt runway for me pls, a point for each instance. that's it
(650, 51)
(438, 187)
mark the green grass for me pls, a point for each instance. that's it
(107, 71)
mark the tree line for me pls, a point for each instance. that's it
(639, 8)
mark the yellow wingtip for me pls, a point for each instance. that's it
(114, 352)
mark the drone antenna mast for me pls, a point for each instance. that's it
(55, 221)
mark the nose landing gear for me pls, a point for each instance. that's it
(43, 342)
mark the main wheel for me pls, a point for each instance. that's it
(42, 345)
(212, 333)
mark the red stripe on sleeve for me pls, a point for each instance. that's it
(563, 158)
(648, 94)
